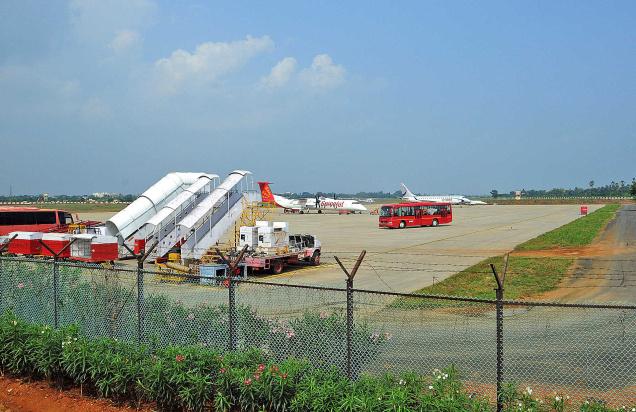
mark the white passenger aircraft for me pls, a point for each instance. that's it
(452, 199)
(304, 205)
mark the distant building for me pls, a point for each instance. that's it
(101, 195)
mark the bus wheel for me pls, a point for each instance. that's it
(402, 224)
(315, 258)
(435, 223)
(277, 267)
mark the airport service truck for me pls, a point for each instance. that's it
(270, 247)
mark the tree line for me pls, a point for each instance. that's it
(68, 198)
(613, 189)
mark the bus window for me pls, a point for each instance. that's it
(386, 211)
(432, 210)
(65, 218)
(24, 218)
(45, 218)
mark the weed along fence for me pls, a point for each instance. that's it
(580, 351)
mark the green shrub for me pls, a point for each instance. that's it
(195, 378)
(32, 350)
(106, 367)
(180, 377)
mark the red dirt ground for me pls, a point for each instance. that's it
(599, 250)
(17, 395)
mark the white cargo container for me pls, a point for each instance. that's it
(283, 226)
(269, 237)
(249, 237)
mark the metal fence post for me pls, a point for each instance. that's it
(56, 278)
(351, 374)
(140, 301)
(499, 291)
(56, 281)
(231, 287)
(349, 328)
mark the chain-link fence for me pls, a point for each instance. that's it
(582, 351)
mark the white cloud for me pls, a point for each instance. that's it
(280, 74)
(125, 40)
(208, 62)
(323, 73)
(95, 21)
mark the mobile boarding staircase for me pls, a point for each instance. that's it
(207, 223)
(190, 210)
(197, 218)
(162, 227)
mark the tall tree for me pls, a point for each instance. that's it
(494, 193)
(591, 184)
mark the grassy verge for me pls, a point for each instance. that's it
(527, 276)
(580, 232)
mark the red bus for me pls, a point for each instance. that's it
(32, 219)
(401, 215)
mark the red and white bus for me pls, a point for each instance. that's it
(32, 219)
(401, 215)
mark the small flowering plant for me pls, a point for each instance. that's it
(560, 402)
(445, 382)
(260, 385)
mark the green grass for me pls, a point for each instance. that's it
(580, 232)
(527, 276)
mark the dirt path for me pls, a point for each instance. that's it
(604, 271)
(18, 396)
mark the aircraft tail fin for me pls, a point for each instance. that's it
(266, 193)
(406, 193)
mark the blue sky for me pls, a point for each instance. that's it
(459, 97)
